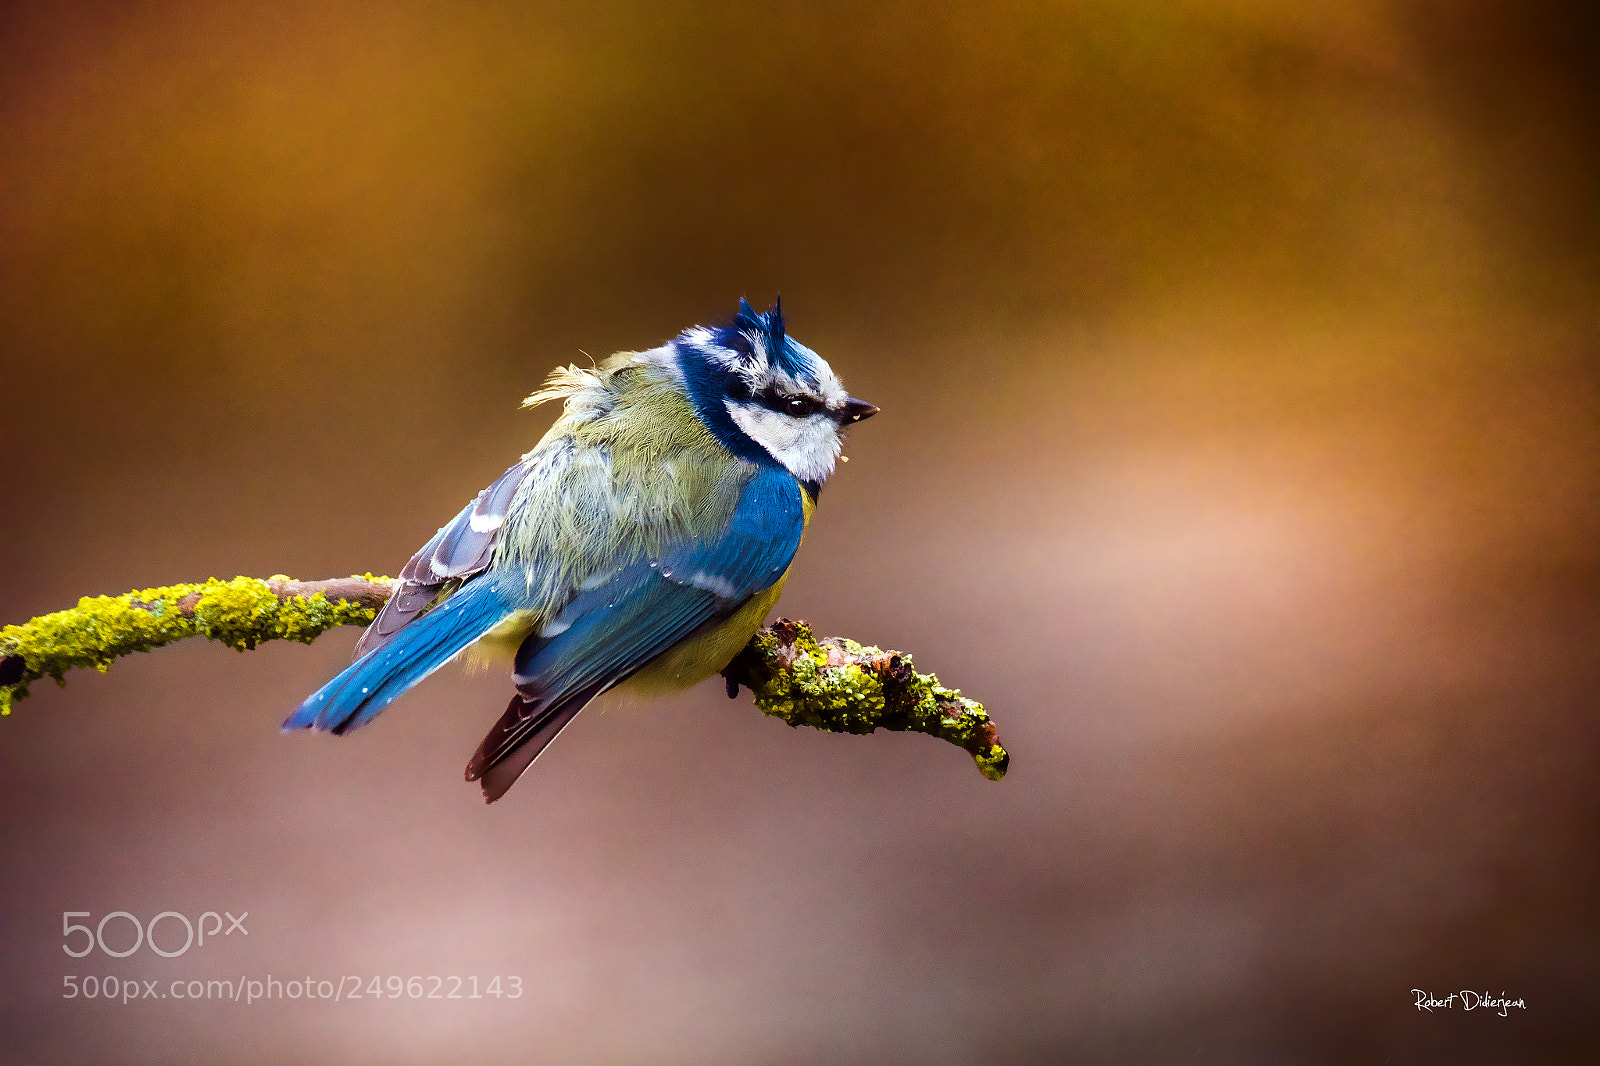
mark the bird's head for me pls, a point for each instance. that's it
(767, 397)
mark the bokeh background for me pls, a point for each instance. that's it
(1240, 448)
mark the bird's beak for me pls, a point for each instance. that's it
(855, 410)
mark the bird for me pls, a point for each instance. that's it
(642, 542)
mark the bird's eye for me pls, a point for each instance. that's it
(799, 406)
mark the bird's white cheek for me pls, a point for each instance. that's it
(807, 447)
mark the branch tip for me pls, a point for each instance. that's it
(841, 686)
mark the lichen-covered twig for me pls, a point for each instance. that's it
(833, 684)
(841, 686)
(240, 613)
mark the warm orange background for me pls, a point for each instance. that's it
(1240, 449)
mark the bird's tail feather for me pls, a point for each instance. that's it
(378, 678)
(521, 734)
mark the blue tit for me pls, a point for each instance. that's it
(643, 540)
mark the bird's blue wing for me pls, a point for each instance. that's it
(407, 641)
(462, 548)
(375, 680)
(606, 634)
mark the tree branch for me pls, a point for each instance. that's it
(833, 684)
(240, 613)
(844, 687)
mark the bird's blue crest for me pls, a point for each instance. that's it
(786, 355)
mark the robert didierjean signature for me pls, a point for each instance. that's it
(1468, 1000)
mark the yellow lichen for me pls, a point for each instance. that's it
(101, 629)
(793, 681)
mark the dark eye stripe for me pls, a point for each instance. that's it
(793, 406)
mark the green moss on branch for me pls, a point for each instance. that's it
(844, 687)
(240, 613)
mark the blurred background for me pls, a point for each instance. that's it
(1240, 449)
